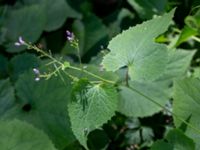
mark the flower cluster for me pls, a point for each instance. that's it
(37, 74)
(70, 36)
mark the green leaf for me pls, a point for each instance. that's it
(7, 96)
(180, 141)
(136, 49)
(161, 145)
(178, 64)
(44, 104)
(27, 22)
(21, 63)
(186, 106)
(101, 105)
(4, 65)
(18, 135)
(185, 34)
(176, 140)
(147, 8)
(57, 12)
(134, 104)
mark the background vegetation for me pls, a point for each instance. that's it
(34, 115)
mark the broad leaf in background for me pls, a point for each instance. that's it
(90, 32)
(186, 106)
(7, 96)
(57, 12)
(115, 27)
(176, 140)
(136, 49)
(147, 8)
(27, 22)
(135, 105)
(44, 104)
(101, 106)
(4, 65)
(21, 63)
(18, 135)
(178, 64)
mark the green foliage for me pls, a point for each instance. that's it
(134, 104)
(145, 59)
(27, 21)
(186, 106)
(24, 137)
(75, 90)
(101, 106)
(175, 140)
(44, 105)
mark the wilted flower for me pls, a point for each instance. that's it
(20, 42)
(70, 36)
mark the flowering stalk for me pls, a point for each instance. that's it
(62, 66)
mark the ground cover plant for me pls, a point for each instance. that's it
(99, 75)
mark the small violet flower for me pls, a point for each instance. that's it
(20, 42)
(70, 36)
(36, 71)
(37, 74)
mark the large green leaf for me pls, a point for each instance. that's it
(134, 104)
(176, 140)
(27, 22)
(18, 135)
(44, 104)
(187, 106)
(136, 49)
(7, 96)
(101, 105)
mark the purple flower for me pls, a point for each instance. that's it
(37, 74)
(20, 42)
(37, 79)
(70, 36)
(36, 71)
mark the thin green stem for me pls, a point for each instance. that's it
(70, 67)
(91, 74)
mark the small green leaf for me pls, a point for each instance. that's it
(18, 135)
(102, 104)
(136, 49)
